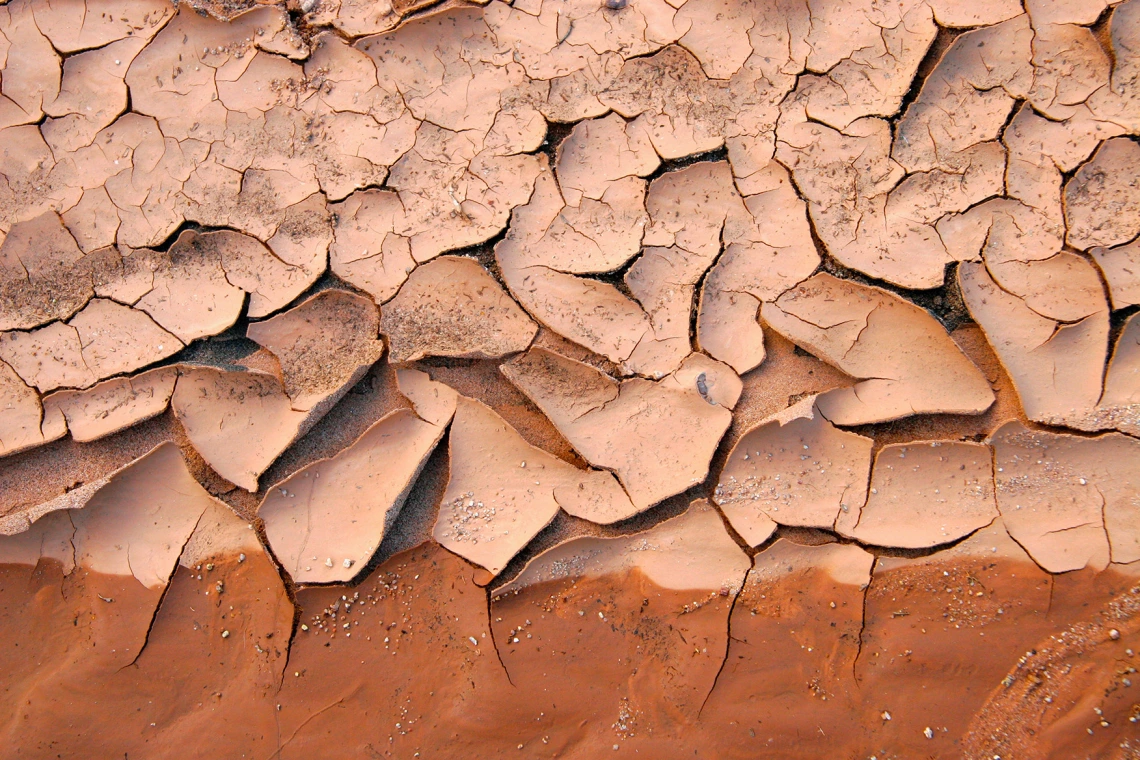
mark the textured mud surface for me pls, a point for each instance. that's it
(570, 378)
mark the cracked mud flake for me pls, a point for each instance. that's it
(1121, 269)
(31, 66)
(326, 520)
(452, 306)
(1122, 381)
(1100, 200)
(502, 491)
(795, 469)
(1069, 500)
(870, 215)
(324, 346)
(794, 638)
(113, 405)
(105, 338)
(239, 422)
(911, 364)
(121, 642)
(1048, 322)
(764, 259)
(657, 438)
(924, 494)
(42, 269)
(20, 414)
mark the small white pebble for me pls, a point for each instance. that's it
(928, 733)
(225, 634)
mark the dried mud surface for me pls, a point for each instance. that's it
(570, 378)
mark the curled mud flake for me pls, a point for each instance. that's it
(968, 97)
(1101, 200)
(924, 494)
(302, 239)
(31, 67)
(844, 564)
(452, 306)
(762, 258)
(47, 358)
(366, 251)
(44, 275)
(191, 295)
(795, 469)
(493, 506)
(433, 402)
(1121, 269)
(870, 333)
(324, 346)
(239, 422)
(341, 507)
(1069, 501)
(20, 414)
(692, 551)
(92, 94)
(658, 438)
(72, 27)
(1052, 340)
(114, 405)
(93, 221)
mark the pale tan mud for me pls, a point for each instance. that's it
(570, 378)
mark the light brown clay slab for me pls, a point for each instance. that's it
(1122, 381)
(452, 306)
(690, 552)
(496, 500)
(924, 494)
(658, 439)
(794, 469)
(325, 521)
(912, 365)
(239, 422)
(324, 346)
(1055, 493)
(21, 415)
(40, 274)
(1101, 207)
(114, 405)
(1121, 269)
(366, 251)
(1055, 363)
(843, 563)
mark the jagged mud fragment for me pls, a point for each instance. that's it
(910, 364)
(502, 491)
(323, 346)
(21, 415)
(326, 520)
(924, 494)
(796, 469)
(452, 306)
(1070, 501)
(1121, 269)
(657, 438)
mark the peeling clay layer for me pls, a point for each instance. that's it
(570, 378)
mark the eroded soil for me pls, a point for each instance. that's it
(570, 378)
